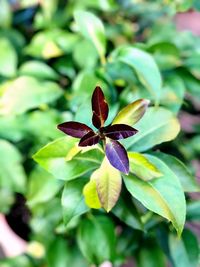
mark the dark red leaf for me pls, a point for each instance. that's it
(119, 131)
(117, 156)
(89, 139)
(75, 129)
(99, 108)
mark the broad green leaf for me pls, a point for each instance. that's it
(52, 158)
(72, 200)
(163, 195)
(42, 187)
(144, 65)
(187, 180)
(38, 70)
(108, 183)
(151, 255)
(157, 126)
(132, 113)
(184, 250)
(92, 28)
(12, 174)
(127, 212)
(96, 239)
(25, 93)
(8, 59)
(91, 196)
(142, 167)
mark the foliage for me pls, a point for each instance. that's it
(52, 56)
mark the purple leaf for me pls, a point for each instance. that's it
(117, 155)
(99, 108)
(75, 129)
(89, 139)
(119, 131)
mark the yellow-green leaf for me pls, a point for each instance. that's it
(108, 181)
(132, 112)
(142, 167)
(91, 196)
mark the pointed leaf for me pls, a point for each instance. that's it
(117, 155)
(99, 108)
(158, 125)
(119, 131)
(52, 158)
(145, 67)
(89, 139)
(91, 196)
(74, 129)
(132, 113)
(163, 195)
(108, 183)
(92, 28)
(142, 167)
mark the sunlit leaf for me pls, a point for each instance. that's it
(90, 194)
(142, 167)
(92, 28)
(163, 195)
(132, 113)
(25, 93)
(108, 184)
(157, 126)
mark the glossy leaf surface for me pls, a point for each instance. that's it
(119, 131)
(117, 155)
(132, 113)
(74, 129)
(99, 108)
(142, 167)
(91, 195)
(108, 184)
(160, 195)
(89, 139)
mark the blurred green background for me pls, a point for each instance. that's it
(48, 70)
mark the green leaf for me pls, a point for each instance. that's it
(132, 113)
(151, 256)
(12, 175)
(127, 212)
(8, 59)
(193, 210)
(144, 65)
(38, 70)
(159, 195)
(72, 200)
(187, 180)
(184, 251)
(25, 93)
(157, 126)
(52, 158)
(90, 194)
(142, 167)
(5, 14)
(42, 187)
(108, 183)
(96, 239)
(92, 28)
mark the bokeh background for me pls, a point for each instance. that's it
(48, 71)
